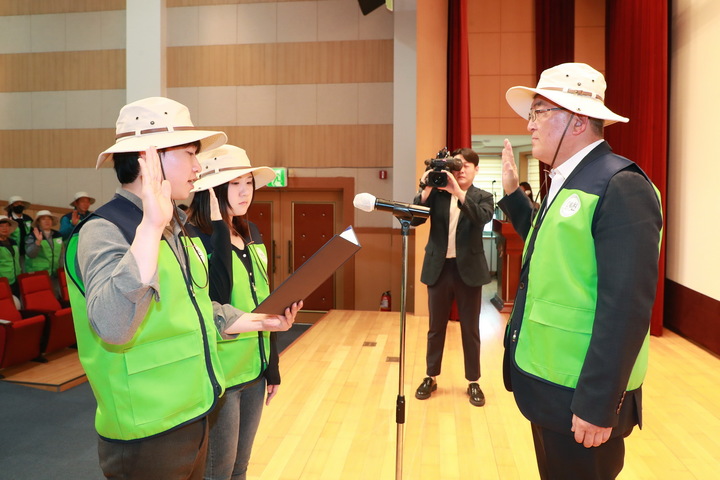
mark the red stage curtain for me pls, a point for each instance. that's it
(554, 44)
(459, 133)
(637, 78)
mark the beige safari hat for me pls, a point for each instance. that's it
(157, 122)
(44, 213)
(16, 198)
(576, 87)
(79, 195)
(225, 163)
(6, 219)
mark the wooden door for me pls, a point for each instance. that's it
(294, 225)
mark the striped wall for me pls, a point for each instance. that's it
(302, 84)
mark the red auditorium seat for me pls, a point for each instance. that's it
(62, 280)
(19, 337)
(36, 293)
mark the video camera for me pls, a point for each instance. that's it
(443, 161)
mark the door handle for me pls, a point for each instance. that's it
(274, 257)
(290, 257)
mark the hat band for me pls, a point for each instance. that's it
(218, 170)
(151, 130)
(575, 92)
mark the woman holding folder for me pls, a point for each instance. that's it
(238, 275)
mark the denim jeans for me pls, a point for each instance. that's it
(233, 424)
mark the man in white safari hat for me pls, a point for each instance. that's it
(576, 345)
(81, 210)
(146, 327)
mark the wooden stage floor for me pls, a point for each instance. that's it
(61, 372)
(334, 416)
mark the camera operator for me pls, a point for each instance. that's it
(454, 267)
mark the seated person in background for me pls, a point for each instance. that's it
(9, 253)
(527, 189)
(43, 246)
(15, 208)
(81, 210)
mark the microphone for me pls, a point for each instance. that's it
(367, 203)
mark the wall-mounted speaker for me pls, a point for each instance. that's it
(367, 6)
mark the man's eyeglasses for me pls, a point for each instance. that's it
(532, 116)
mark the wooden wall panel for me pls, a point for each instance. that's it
(315, 146)
(303, 146)
(58, 71)
(221, 65)
(196, 3)
(281, 63)
(68, 148)
(37, 7)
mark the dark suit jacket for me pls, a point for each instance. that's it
(474, 214)
(626, 229)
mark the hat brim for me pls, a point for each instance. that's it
(208, 140)
(521, 99)
(25, 204)
(263, 176)
(37, 220)
(92, 200)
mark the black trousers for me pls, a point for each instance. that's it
(179, 454)
(560, 457)
(449, 287)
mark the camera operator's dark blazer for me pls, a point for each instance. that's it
(474, 214)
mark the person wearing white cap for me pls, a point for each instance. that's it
(81, 210)
(44, 246)
(146, 328)
(9, 253)
(576, 345)
(238, 275)
(15, 209)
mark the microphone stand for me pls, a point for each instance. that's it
(400, 404)
(404, 217)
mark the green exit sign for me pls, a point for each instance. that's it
(280, 179)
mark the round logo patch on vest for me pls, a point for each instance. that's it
(570, 206)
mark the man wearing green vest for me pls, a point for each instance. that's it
(146, 328)
(576, 345)
(9, 253)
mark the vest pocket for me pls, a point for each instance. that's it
(559, 339)
(167, 377)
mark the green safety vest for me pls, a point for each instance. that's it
(49, 256)
(10, 262)
(169, 374)
(559, 315)
(245, 358)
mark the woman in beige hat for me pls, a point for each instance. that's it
(147, 330)
(9, 253)
(44, 246)
(238, 275)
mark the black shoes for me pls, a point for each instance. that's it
(429, 385)
(426, 388)
(477, 397)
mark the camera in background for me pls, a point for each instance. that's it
(443, 161)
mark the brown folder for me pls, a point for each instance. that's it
(312, 273)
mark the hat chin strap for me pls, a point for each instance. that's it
(572, 115)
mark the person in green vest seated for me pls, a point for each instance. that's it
(44, 246)
(9, 253)
(238, 275)
(81, 210)
(15, 209)
(147, 330)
